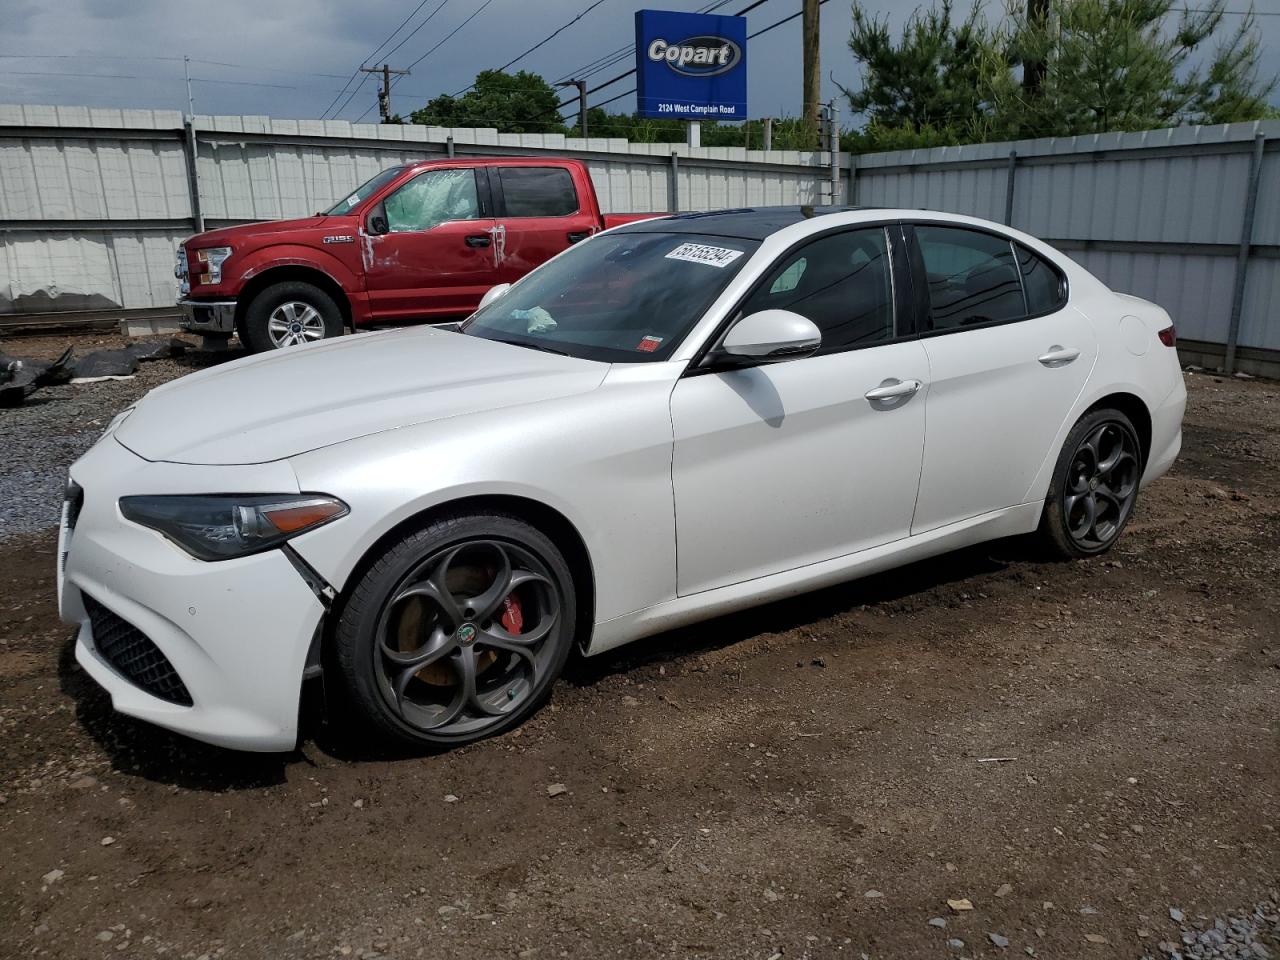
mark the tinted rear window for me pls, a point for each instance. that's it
(538, 191)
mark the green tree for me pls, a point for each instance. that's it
(936, 81)
(1131, 65)
(510, 102)
(1098, 65)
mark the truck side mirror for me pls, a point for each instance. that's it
(378, 222)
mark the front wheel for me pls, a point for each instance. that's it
(458, 631)
(1094, 486)
(290, 314)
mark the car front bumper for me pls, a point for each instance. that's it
(236, 633)
(208, 316)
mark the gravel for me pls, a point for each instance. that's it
(44, 436)
(1237, 936)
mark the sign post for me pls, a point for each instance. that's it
(690, 66)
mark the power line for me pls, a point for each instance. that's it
(447, 38)
(411, 33)
(153, 59)
(451, 33)
(355, 73)
(135, 76)
(551, 36)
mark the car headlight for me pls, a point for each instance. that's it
(222, 526)
(212, 258)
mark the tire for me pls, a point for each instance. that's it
(1094, 487)
(405, 654)
(288, 314)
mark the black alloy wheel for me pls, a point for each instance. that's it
(460, 631)
(1095, 485)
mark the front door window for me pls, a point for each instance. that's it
(433, 198)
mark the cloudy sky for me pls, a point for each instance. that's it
(290, 58)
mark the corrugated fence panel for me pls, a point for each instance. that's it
(1196, 290)
(1259, 326)
(1136, 198)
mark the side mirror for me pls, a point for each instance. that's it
(378, 222)
(769, 337)
(492, 294)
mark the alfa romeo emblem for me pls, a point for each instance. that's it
(467, 634)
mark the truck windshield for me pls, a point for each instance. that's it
(363, 191)
(621, 297)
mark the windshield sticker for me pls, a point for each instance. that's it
(649, 344)
(718, 257)
(353, 200)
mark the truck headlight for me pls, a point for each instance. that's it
(212, 258)
(222, 526)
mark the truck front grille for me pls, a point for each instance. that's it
(132, 654)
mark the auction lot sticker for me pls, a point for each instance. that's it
(719, 257)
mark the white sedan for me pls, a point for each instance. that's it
(673, 420)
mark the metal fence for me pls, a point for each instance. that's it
(93, 202)
(1188, 217)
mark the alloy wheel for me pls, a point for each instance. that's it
(1102, 484)
(467, 637)
(294, 322)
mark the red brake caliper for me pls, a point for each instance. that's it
(512, 614)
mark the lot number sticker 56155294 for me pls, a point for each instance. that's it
(702, 253)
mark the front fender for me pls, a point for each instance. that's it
(298, 255)
(603, 464)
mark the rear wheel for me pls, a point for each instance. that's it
(459, 631)
(1094, 486)
(290, 314)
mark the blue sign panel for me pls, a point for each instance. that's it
(691, 66)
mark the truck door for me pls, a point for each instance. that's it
(539, 214)
(430, 247)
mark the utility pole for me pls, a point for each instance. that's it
(186, 69)
(1035, 71)
(384, 95)
(810, 102)
(582, 101)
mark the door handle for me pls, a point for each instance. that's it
(1058, 356)
(479, 240)
(578, 235)
(893, 389)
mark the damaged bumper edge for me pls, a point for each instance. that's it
(208, 316)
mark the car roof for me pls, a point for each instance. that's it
(746, 223)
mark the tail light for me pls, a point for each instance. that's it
(1168, 336)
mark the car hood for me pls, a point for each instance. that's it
(243, 232)
(280, 404)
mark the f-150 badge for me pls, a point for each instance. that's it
(340, 238)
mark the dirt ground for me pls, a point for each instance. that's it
(809, 779)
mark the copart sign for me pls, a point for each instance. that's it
(691, 66)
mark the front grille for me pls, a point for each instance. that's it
(134, 656)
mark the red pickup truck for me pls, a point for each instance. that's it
(422, 241)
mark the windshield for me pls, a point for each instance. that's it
(625, 297)
(363, 191)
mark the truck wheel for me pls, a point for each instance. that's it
(288, 314)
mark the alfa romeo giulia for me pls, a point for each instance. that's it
(672, 420)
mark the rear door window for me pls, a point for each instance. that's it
(1046, 288)
(538, 191)
(972, 277)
